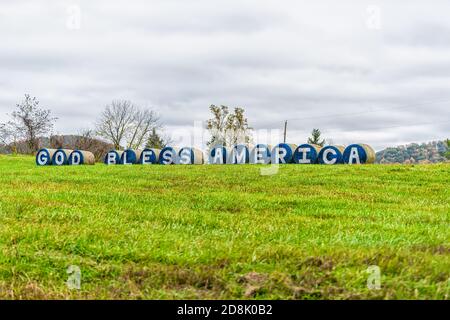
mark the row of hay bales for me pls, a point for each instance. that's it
(239, 154)
(61, 157)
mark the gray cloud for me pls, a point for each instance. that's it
(316, 65)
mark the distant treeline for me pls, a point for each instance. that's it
(82, 142)
(431, 152)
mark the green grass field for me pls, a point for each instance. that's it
(224, 232)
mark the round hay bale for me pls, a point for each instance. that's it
(359, 154)
(240, 154)
(219, 155)
(331, 155)
(307, 153)
(44, 157)
(79, 157)
(130, 156)
(61, 157)
(189, 155)
(169, 155)
(113, 157)
(260, 154)
(149, 156)
(283, 153)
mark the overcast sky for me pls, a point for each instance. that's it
(375, 72)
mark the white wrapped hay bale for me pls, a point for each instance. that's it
(240, 154)
(219, 155)
(189, 155)
(307, 153)
(283, 153)
(359, 154)
(61, 157)
(113, 157)
(261, 154)
(331, 155)
(130, 156)
(44, 157)
(80, 157)
(149, 156)
(169, 155)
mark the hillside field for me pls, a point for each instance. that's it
(224, 231)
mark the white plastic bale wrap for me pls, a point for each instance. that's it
(219, 154)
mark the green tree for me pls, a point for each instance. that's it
(316, 138)
(155, 140)
(228, 128)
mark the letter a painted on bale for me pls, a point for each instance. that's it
(354, 156)
(359, 154)
(218, 155)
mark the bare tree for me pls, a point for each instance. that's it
(86, 141)
(29, 122)
(144, 121)
(57, 142)
(124, 123)
(5, 134)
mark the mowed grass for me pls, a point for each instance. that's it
(224, 232)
